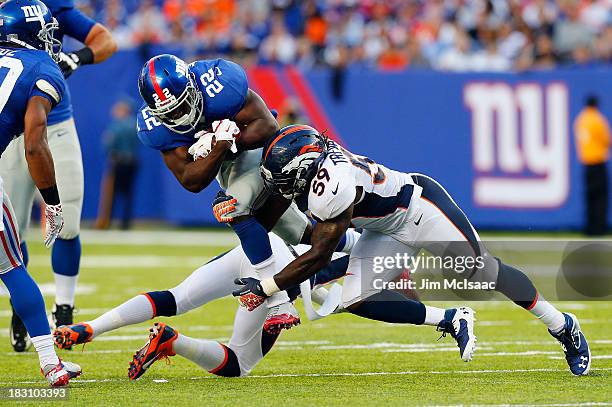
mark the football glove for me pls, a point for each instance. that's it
(222, 206)
(226, 130)
(69, 63)
(54, 222)
(202, 147)
(251, 295)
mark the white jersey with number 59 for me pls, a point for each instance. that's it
(386, 195)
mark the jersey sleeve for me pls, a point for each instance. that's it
(225, 87)
(330, 198)
(74, 23)
(49, 83)
(152, 133)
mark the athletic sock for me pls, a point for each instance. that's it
(65, 288)
(433, 315)
(135, 310)
(46, 350)
(391, 306)
(548, 314)
(65, 260)
(209, 355)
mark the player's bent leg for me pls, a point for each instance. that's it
(66, 252)
(363, 296)
(211, 281)
(452, 225)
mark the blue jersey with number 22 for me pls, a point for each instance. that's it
(25, 73)
(224, 87)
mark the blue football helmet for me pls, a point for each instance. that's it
(29, 24)
(169, 90)
(290, 159)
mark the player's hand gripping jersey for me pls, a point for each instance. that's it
(225, 87)
(385, 198)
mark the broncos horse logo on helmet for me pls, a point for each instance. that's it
(290, 158)
(169, 89)
(29, 24)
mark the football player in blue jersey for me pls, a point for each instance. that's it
(66, 150)
(207, 123)
(31, 84)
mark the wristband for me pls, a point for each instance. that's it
(50, 195)
(86, 56)
(269, 287)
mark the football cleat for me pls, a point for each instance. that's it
(62, 315)
(159, 346)
(575, 346)
(65, 337)
(59, 375)
(283, 316)
(459, 323)
(20, 340)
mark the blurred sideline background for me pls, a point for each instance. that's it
(481, 95)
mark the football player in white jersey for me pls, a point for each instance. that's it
(412, 210)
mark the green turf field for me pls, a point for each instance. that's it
(341, 360)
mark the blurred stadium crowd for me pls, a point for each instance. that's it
(455, 35)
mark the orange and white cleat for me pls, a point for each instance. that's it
(159, 346)
(65, 337)
(283, 316)
(59, 375)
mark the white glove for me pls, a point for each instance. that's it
(226, 130)
(203, 146)
(54, 222)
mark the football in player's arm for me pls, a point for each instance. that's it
(237, 103)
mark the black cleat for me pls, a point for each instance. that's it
(20, 340)
(62, 315)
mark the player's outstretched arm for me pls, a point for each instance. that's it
(194, 176)
(256, 122)
(325, 238)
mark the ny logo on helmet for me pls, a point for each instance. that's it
(32, 13)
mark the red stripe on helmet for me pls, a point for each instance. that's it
(156, 86)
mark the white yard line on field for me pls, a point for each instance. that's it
(338, 374)
(223, 237)
(130, 261)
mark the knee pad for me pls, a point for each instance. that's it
(163, 302)
(230, 367)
